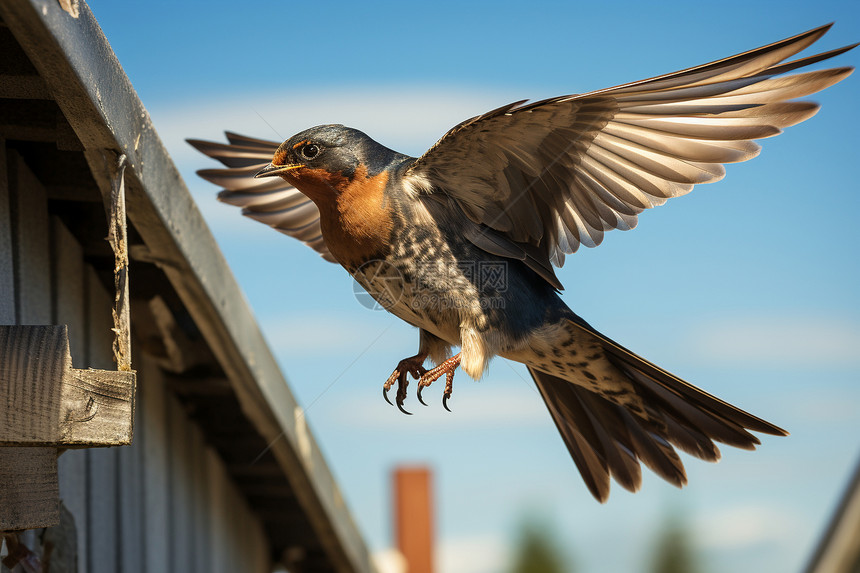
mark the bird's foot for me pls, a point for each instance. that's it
(447, 368)
(413, 365)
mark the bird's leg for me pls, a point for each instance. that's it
(447, 368)
(413, 365)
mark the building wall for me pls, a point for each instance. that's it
(163, 504)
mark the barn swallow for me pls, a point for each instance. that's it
(462, 241)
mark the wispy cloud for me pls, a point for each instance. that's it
(744, 526)
(390, 561)
(503, 405)
(407, 118)
(788, 341)
(301, 335)
(475, 554)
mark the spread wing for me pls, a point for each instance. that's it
(272, 200)
(559, 173)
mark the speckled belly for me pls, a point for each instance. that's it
(397, 291)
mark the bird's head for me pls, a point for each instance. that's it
(324, 161)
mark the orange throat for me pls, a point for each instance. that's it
(355, 215)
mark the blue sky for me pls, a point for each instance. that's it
(747, 287)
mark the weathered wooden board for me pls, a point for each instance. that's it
(218, 500)
(31, 502)
(103, 511)
(7, 285)
(201, 542)
(68, 261)
(47, 402)
(118, 239)
(130, 480)
(181, 498)
(29, 492)
(30, 232)
(154, 439)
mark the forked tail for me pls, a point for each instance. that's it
(609, 437)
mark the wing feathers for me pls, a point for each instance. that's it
(271, 201)
(597, 160)
(558, 173)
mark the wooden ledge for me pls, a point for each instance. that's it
(46, 402)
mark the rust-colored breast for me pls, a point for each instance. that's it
(355, 216)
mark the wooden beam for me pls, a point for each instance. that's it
(33, 502)
(7, 266)
(29, 120)
(47, 402)
(23, 87)
(199, 386)
(28, 476)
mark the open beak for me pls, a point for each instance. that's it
(271, 170)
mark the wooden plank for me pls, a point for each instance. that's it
(7, 275)
(31, 502)
(33, 363)
(47, 402)
(118, 239)
(68, 260)
(131, 504)
(7, 291)
(68, 289)
(248, 548)
(180, 489)
(153, 438)
(29, 488)
(217, 510)
(225, 529)
(261, 563)
(31, 231)
(102, 515)
(235, 528)
(103, 401)
(60, 545)
(23, 87)
(239, 531)
(202, 542)
(29, 120)
(256, 544)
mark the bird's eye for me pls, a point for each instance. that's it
(310, 151)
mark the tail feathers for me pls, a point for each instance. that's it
(608, 439)
(604, 439)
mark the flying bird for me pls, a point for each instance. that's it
(462, 242)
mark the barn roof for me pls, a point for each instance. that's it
(70, 108)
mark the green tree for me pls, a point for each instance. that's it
(674, 551)
(538, 550)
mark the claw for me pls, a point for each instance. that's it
(420, 387)
(413, 367)
(402, 384)
(449, 388)
(406, 367)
